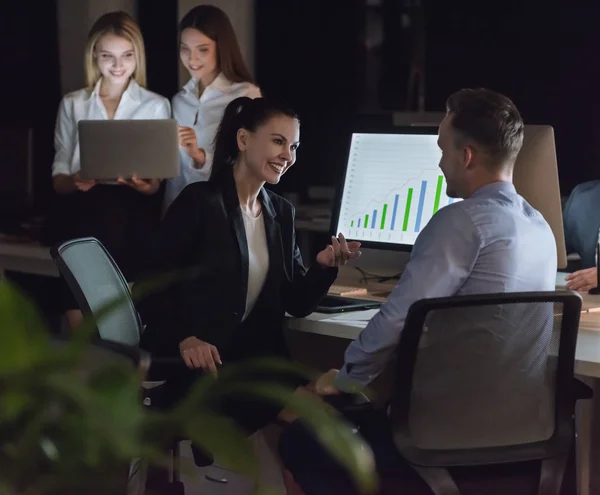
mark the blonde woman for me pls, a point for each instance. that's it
(210, 52)
(120, 215)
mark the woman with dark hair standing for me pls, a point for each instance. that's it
(238, 239)
(210, 52)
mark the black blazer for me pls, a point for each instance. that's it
(203, 233)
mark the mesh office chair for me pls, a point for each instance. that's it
(488, 380)
(95, 280)
(581, 219)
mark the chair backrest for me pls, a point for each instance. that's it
(581, 218)
(486, 379)
(95, 280)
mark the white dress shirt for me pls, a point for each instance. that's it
(258, 258)
(136, 103)
(204, 115)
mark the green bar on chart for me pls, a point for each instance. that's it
(383, 216)
(438, 193)
(407, 209)
(366, 221)
(352, 223)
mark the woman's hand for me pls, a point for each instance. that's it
(188, 141)
(144, 186)
(81, 184)
(199, 354)
(582, 280)
(339, 252)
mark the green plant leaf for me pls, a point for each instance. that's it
(331, 430)
(24, 337)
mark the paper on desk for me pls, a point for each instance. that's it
(352, 316)
(561, 283)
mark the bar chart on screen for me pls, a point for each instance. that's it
(393, 187)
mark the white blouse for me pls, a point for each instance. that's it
(258, 258)
(204, 115)
(136, 103)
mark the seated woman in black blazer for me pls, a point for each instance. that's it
(238, 240)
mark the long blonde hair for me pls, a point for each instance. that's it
(123, 25)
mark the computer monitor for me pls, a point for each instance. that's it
(392, 186)
(536, 179)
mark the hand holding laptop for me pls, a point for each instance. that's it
(81, 184)
(144, 186)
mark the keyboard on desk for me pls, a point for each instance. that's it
(339, 304)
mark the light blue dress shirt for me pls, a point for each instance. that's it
(492, 242)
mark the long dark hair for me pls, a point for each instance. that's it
(242, 113)
(215, 24)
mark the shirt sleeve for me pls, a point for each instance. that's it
(442, 259)
(64, 140)
(163, 109)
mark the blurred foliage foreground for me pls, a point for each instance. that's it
(72, 417)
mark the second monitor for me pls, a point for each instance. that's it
(392, 186)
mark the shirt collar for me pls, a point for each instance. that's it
(221, 83)
(494, 188)
(134, 91)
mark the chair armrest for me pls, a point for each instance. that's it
(581, 390)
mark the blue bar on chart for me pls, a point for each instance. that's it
(421, 204)
(394, 212)
(374, 219)
(450, 201)
(359, 223)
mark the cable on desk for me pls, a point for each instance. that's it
(366, 276)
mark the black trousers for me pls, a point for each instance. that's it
(319, 474)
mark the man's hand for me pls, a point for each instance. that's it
(144, 186)
(582, 280)
(199, 354)
(325, 383)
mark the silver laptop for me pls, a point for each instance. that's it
(123, 148)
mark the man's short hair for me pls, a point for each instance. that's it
(490, 120)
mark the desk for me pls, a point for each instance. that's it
(349, 326)
(345, 327)
(29, 258)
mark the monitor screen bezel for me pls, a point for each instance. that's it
(339, 190)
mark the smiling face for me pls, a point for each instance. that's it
(270, 151)
(198, 54)
(115, 58)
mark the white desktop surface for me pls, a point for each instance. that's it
(35, 259)
(349, 325)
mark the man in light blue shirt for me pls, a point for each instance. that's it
(493, 241)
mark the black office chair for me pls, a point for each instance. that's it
(488, 380)
(581, 218)
(97, 356)
(95, 280)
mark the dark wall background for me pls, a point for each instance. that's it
(544, 55)
(30, 82)
(541, 54)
